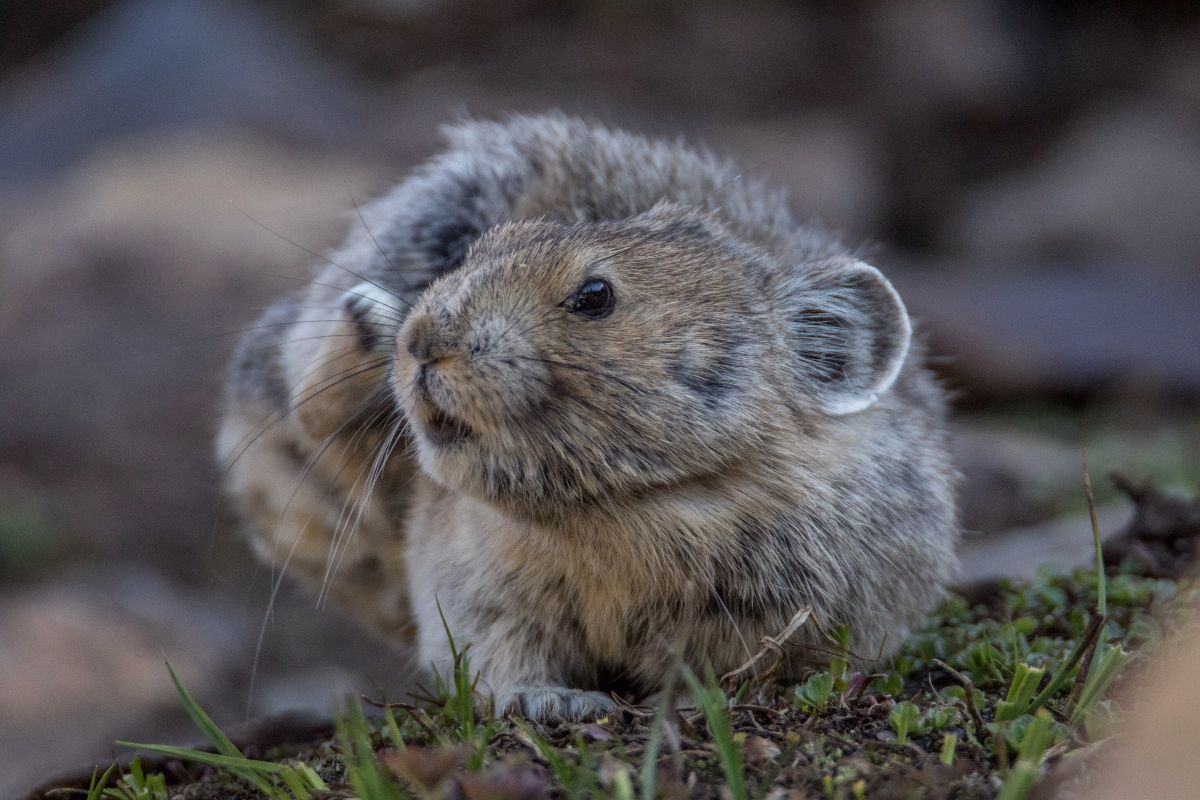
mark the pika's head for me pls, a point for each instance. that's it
(566, 363)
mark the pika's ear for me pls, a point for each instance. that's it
(847, 332)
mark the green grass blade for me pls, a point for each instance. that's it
(1101, 582)
(446, 628)
(562, 770)
(654, 744)
(393, 729)
(1101, 677)
(212, 759)
(464, 687)
(362, 769)
(224, 745)
(296, 784)
(244, 768)
(1026, 772)
(622, 785)
(203, 721)
(1019, 781)
(312, 778)
(1025, 682)
(1095, 627)
(949, 746)
(720, 727)
(96, 788)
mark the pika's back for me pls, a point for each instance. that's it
(568, 170)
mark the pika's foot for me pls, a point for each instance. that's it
(546, 703)
(375, 313)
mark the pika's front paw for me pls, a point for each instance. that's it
(375, 313)
(546, 703)
(349, 367)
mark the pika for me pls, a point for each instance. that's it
(603, 403)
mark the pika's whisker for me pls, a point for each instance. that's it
(277, 580)
(342, 529)
(275, 417)
(262, 326)
(376, 473)
(386, 258)
(397, 314)
(323, 257)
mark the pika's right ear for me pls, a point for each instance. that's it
(847, 333)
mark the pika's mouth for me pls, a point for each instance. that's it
(444, 430)
(440, 428)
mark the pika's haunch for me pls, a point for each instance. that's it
(603, 401)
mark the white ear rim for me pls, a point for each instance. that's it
(852, 404)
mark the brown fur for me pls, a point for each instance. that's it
(747, 433)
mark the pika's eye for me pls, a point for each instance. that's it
(593, 300)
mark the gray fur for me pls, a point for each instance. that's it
(750, 432)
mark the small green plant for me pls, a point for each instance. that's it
(1021, 692)
(839, 665)
(463, 696)
(137, 785)
(1031, 751)
(939, 717)
(892, 684)
(949, 748)
(814, 694)
(905, 718)
(716, 714)
(1103, 673)
(95, 790)
(392, 729)
(460, 702)
(622, 784)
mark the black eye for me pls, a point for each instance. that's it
(593, 300)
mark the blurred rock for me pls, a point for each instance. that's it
(1009, 476)
(929, 57)
(149, 65)
(1179, 74)
(1054, 332)
(1164, 535)
(82, 659)
(832, 168)
(1121, 186)
(28, 29)
(1018, 553)
(122, 289)
(317, 692)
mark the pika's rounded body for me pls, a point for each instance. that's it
(602, 403)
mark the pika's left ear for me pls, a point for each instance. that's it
(847, 331)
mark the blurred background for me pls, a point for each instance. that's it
(1027, 173)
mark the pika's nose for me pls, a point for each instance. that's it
(425, 343)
